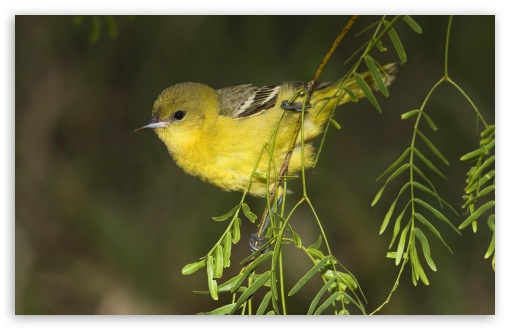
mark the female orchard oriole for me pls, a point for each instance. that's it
(219, 135)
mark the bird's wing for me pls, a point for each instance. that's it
(248, 100)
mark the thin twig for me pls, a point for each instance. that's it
(335, 44)
(284, 168)
(308, 88)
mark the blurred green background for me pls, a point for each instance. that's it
(104, 218)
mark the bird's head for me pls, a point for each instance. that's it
(181, 113)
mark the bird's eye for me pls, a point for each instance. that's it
(179, 114)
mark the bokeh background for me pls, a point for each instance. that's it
(104, 218)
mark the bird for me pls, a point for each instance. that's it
(237, 137)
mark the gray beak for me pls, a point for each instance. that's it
(154, 122)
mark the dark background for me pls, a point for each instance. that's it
(105, 220)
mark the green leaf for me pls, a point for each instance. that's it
(428, 163)
(415, 263)
(387, 217)
(474, 178)
(236, 230)
(491, 222)
(374, 71)
(297, 239)
(423, 276)
(335, 123)
(429, 121)
(412, 24)
(348, 280)
(261, 175)
(422, 219)
(491, 248)
(211, 282)
(487, 141)
(250, 215)
(434, 194)
(352, 95)
(396, 228)
(349, 298)
(228, 285)
(474, 226)
(251, 290)
(436, 213)
(251, 267)
(479, 183)
(475, 215)
(258, 252)
(390, 211)
(227, 247)
(368, 92)
(226, 215)
(483, 150)
(425, 247)
(401, 244)
(263, 305)
(396, 42)
(414, 274)
(488, 162)
(316, 254)
(223, 310)
(218, 262)
(432, 147)
(254, 276)
(308, 275)
(410, 114)
(482, 193)
(395, 164)
(328, 274)
(327, 303)
(420, 173)
(378, 195)
(317, 243)
(488, 130)
(418, 272)
(274, 291)
(380, 46)
(193, 267)
(319, 295)
(393, 176)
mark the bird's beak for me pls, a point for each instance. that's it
(154, 122)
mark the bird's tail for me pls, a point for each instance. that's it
(326, 96)
(386, 72)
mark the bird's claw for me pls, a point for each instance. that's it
(294, 106)
(255, 243)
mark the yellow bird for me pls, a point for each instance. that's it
(226, 136)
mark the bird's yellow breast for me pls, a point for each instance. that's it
(227, 151)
